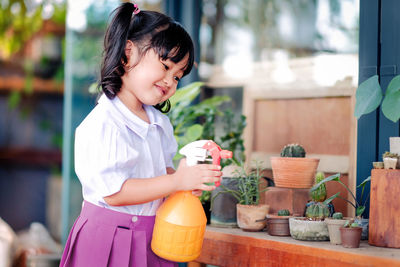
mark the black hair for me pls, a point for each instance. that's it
(147, 30)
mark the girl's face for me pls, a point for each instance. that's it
(151, 80)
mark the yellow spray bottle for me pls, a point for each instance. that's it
(180, 221)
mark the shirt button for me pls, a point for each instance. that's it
(134, 219)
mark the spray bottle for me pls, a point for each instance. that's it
(180, 221)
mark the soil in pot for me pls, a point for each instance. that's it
(350, 236)
(278, 225)
(252, 217)
(302, 228)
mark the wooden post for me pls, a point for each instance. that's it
(384, 220)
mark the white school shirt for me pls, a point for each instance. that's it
(112, 144)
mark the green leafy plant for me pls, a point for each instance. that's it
(350, 224)
(248, 181)
(193, 120)
(196, 120)
(358, 205)
(369, 97)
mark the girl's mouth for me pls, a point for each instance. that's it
(161, 89)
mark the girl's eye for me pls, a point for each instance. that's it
(165, 66)
(177, 78)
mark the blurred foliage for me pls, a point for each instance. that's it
(20, 20)
(197, 120)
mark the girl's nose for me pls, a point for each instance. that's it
(168, 80)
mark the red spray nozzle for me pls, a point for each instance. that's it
(225, 154)
(217, 153)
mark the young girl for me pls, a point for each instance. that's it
(124, 147)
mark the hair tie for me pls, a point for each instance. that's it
(136, 9)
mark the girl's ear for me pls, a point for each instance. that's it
(130, 52)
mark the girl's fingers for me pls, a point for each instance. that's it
(197, 192)
(205, 187)
(211, 179)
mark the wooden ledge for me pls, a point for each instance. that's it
(234, 247)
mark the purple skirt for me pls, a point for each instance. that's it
(103, 237)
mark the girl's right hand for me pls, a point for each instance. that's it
(194, 177)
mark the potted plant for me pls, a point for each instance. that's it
(251, 216)
(359, 206)
(292, 169)
(334, 223)
(350, 234)
(313, 226)
(278, 224)
(369, 97)
(390, 160)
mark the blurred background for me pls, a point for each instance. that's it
(255, 51)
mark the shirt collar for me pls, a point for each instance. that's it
(132, 121)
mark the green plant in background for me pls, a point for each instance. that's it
(248, 184)
(388, 154)
(319, 194)
(369, 97)
(20, 19)
(195, 121)
(350, 224)
(337, 216)
(284, 212)
(317, 211)
(293, 151)
(358, 205)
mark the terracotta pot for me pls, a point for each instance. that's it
(350, 236)
(333, 229)
(252, 217)
(294, 172)
(278, 225)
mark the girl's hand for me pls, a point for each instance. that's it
(194, 177)
(197, 193)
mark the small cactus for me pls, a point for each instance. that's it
(283, 213)
(293, 151)
(317, 211)
(319, 194)
(337, 216)
(388, 154)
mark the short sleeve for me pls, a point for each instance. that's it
(103, 160)
(169, 145)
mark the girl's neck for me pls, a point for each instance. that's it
(134, 105)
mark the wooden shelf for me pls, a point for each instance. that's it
(234, 247)
(16, 83)
(30, 156)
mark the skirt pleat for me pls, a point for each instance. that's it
(101, 237)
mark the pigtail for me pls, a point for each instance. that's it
(114, 57)
(164, 107)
